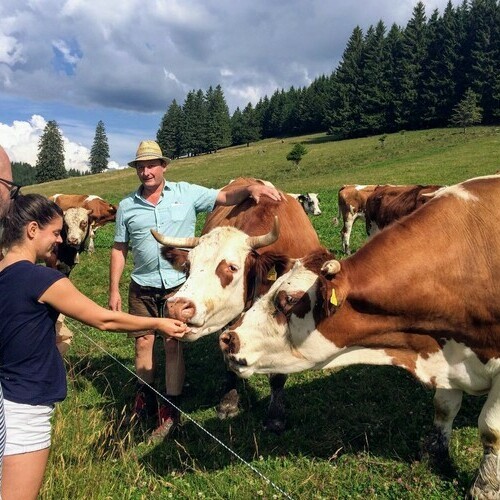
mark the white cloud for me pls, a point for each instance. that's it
(20, 140)
(10, 50)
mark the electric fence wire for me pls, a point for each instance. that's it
(215, 438)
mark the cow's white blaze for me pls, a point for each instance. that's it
(216, 303)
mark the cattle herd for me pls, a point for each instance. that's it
(422, 294)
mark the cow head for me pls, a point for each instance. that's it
(310, 202)
(220, 266)
(279, 333)
(76, 225)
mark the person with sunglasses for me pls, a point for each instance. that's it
(8, 189)
(5, 197)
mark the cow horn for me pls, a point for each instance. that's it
(175, 242)
(330, 268)
(265, 239)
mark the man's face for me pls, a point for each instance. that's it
(150, 173)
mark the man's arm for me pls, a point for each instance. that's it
(255, 191)
(116, 266)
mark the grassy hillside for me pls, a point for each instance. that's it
(351, 434)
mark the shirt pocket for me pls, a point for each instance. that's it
(179, 212)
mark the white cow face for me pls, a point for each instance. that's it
(76, 221)
(310, 202)
(214, 293)
(278, 333)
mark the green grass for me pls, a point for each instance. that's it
(351, 434)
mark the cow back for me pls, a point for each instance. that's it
(297, 235)
(389, 203)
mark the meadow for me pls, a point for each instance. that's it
(350, 434)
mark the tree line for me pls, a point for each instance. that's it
(387, 80)
(433, 72)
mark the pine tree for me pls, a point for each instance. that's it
(485, 55)
(170, 135)
(237, 128)
(467, 112)
(439, 92)
(50, 159)
(296, 153)
(277, 113)
(409, 70)
(195, 116)
(99, 154)
(218, 120)
(263, 111)
(394, 48)
(374, 85)
(343, 115)
(251, 126)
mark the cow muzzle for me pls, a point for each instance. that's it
(181, 308)
(229, 342)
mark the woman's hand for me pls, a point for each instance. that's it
(172, 327)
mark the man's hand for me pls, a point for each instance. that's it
(115, 301)
(258, 190)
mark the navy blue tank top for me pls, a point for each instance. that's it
(31, 368)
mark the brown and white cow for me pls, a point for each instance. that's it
(75, 233)
(387, 204)
(235, 260)
(423, 295)
(102, 211)
(352, 203)
(309, 202)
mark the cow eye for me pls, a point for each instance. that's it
(233, 268)
(291, 300)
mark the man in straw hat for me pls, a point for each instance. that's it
(171, 208)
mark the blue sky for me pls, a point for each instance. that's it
(81, 61)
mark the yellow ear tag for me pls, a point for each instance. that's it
(333, 298)
(272, 275)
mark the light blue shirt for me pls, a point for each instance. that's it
(174, 215)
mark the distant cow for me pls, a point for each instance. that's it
(387, 204)
(423, 296)
(75, 233)
(239, 255)
(309, 202)
(102, 211)
(352, 203)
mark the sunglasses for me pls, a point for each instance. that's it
(14, 188)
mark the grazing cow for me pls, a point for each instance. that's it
(352, 203)
(423, 295)
(75, 232)
(389, 203)
(309, 202)
(102, 211)
(231, 264)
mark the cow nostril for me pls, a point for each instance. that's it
(224, 340)
(229, 342)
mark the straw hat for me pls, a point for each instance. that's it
(148, 150)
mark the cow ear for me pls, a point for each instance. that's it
(326, 300)
(301, 198)
(90, 212)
